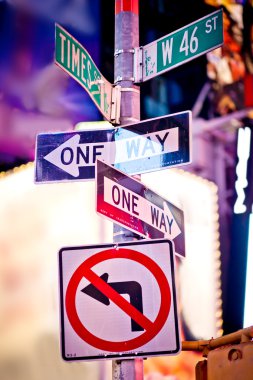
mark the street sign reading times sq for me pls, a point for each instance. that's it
(73, 58)
(179, 47)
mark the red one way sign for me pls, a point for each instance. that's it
(118, 301)
(131, 204)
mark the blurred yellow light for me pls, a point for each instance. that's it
(90, 125)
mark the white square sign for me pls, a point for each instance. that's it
(118, 301)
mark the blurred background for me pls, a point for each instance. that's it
(216, 191)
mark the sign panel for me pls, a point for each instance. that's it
(72, 57)
(181, 46)
(138, 148)
(131, 204)
(118, 301)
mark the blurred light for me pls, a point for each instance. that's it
(243, 152)
(91, 125)
(35, 222)
(199, 275)
(248, 303)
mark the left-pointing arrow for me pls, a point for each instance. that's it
(71, 155)
(132, 288)
(64, 156)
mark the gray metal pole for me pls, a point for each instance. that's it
(126, 39)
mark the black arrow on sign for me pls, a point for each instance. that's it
(132, 288)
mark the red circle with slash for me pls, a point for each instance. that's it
(151, 328)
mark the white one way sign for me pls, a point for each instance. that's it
(138, 148)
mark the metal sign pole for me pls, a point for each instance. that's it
(126, 39)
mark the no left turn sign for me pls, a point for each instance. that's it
(118, 301)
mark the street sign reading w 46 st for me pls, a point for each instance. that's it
(137, 148)
(179, 47)
(73, 58)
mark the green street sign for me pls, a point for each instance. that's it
(73, 58)
(179, 47)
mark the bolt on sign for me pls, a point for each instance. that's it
(118, 301)
(73, 58)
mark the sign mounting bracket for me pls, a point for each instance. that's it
(115, 105)
(138, 64)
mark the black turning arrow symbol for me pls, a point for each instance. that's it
(132, 288)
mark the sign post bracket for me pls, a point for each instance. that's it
(138, 64)
(115, 102)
